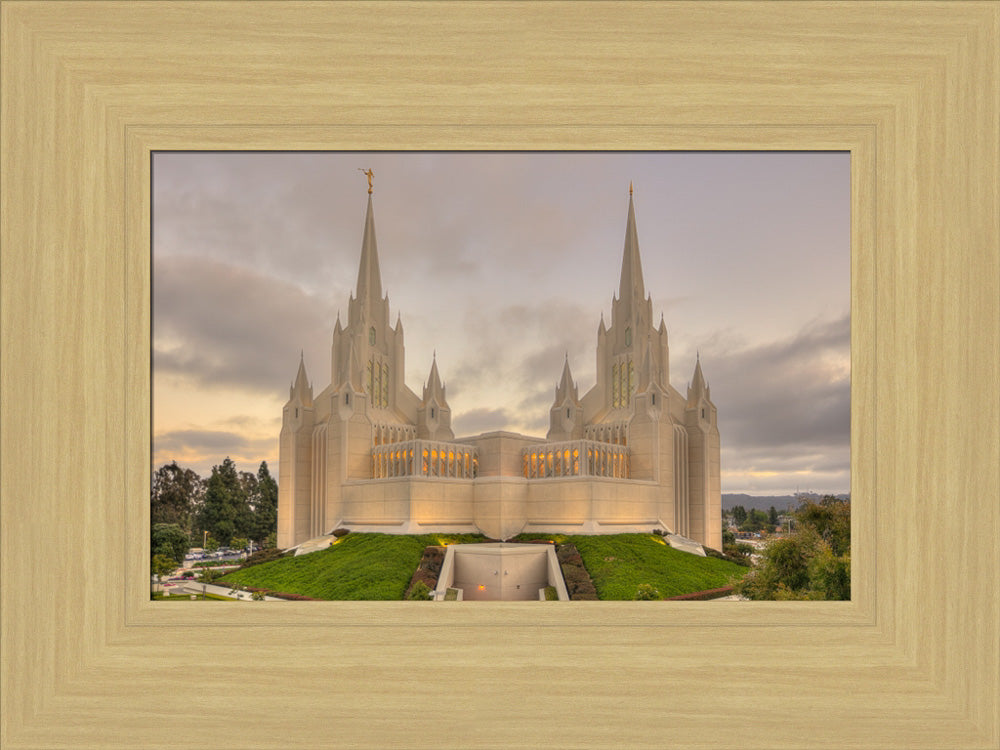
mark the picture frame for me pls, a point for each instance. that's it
(89, 92)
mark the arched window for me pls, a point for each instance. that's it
(628, 336)
(371, 335)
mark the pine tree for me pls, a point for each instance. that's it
(265, 515)
(225, 511)
(175, 495)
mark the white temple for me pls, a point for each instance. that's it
(369, 454)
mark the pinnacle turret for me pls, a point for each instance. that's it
(566, 387)
(301, 387)
(698, 388)
(434, 387)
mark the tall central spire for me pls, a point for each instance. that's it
(631, 286)
(369, 276)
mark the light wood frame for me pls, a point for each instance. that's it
(911, 89)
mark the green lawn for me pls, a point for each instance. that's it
(618, 563)
(357, 567)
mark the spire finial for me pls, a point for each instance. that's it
(369, 174)
(630, 188)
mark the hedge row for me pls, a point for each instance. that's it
(703, 595)
(263, 556)
(428, 570)
(578, 582)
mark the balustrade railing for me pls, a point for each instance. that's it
(574, 458)
(427, 458)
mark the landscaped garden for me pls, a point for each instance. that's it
(381, 566)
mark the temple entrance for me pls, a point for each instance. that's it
(500, 572)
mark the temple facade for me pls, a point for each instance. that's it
(369, 454)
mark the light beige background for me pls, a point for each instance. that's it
(912, 89)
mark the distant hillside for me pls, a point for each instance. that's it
(763, 502)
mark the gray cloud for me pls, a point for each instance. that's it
(791, 392)
(785, 406)
(200, 450)
(201, 440)
(222, 325)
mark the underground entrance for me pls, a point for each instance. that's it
(500, 572)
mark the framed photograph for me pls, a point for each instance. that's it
(616, 349)
(90, 91)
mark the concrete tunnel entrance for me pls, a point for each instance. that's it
(500, 572)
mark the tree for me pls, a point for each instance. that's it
(239, 542)
(174, 495)
(265, 508)
(831, 518)
(739, 515)
(170, 541)
(225, 512)
(162, 566)
(772, 516)
(755, 520)
(814, 562)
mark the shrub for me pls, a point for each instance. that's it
(646, 592)
(419, 592)
(341, 532)
(263, 556)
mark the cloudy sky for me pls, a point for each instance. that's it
(503, 264)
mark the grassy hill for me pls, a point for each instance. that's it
(379, 567)
(357, 567)
(618, 563)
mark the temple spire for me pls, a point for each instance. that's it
(631, 286)
(369, 276)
